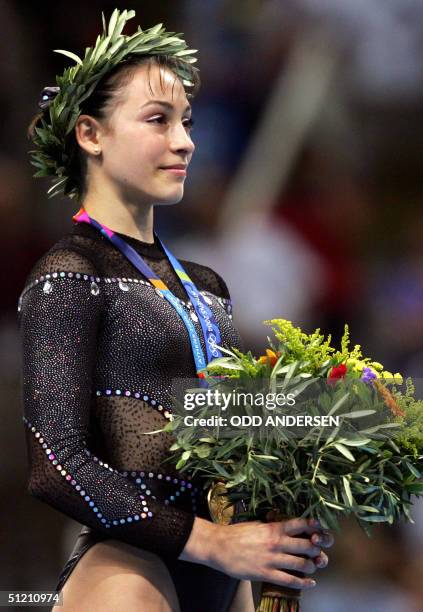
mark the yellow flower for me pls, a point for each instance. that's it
(387, 375)
(377, 366)
(357, 364)
(398, 379)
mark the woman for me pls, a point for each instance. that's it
(108, 320)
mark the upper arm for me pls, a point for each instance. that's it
(61, 311)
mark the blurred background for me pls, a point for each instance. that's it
(305, 194)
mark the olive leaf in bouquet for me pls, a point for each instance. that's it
(367, 462)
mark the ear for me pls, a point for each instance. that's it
(88, 133)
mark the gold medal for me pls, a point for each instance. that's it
(220, 510)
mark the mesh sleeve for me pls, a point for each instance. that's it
(60, 318)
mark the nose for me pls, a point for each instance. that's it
(180, 140)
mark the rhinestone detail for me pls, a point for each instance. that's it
(51, 456)
(47, 287)
(110, 280)
(182, 486)
(94, 288)
(167, 413)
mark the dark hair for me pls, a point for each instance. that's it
(102, 98)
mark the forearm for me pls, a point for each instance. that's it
(201, 544)
(254, 550)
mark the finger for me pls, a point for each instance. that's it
(321, 560)
(323, 538)
(298, 525)
(284, 579)
(293, 562)
(299, 546)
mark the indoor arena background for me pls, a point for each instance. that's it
(305, 193)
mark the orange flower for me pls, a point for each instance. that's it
(389, 399)
(270, 357)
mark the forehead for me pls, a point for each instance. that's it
(155, 82)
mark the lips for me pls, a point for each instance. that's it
(176, 169)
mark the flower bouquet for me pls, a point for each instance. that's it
(360, 453)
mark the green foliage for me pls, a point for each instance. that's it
(410, 436)
(237, 366)
(313, 351)
(369, 466)
(79, 81)
(354, 472)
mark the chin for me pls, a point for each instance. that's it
(171, 198)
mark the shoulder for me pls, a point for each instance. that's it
(67, 269)
(62, 281)
(206, 279)
(70, 254)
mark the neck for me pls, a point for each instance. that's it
(125, 218)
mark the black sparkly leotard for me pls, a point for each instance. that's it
(100, 348)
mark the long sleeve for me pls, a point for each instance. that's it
(60, 320)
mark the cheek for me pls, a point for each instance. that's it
(136, 152)
(125, 158)
(144, 152)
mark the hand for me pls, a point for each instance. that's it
(260, 551)
(324, 539)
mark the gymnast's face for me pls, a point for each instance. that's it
(147, 135)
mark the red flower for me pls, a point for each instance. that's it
(200, 375)
(336, 373)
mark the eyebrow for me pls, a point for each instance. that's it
(166, 105)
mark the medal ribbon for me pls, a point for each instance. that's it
(205, 315)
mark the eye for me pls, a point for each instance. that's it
(188, 123)
(157, 119)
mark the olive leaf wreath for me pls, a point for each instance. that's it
(51, 138)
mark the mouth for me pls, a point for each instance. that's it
(178, 170)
